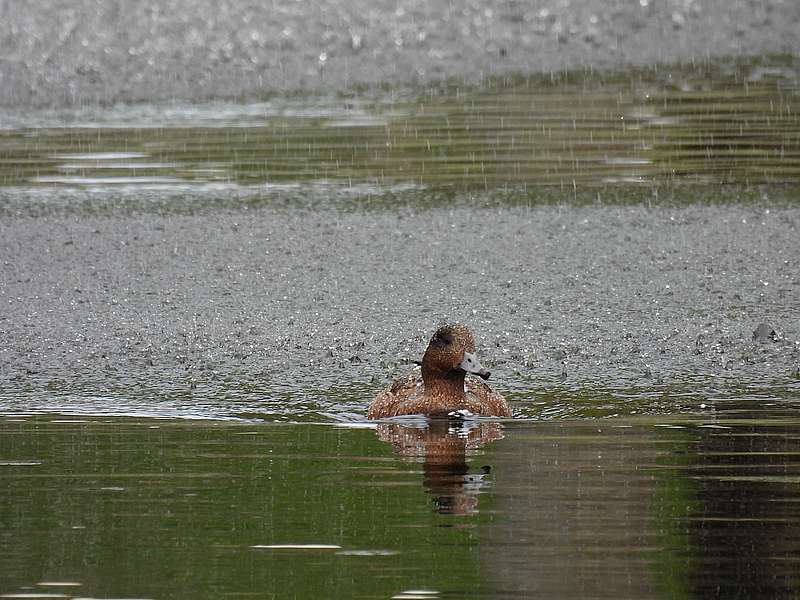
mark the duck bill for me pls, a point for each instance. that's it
(471, 364)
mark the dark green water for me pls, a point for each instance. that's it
(656, 508)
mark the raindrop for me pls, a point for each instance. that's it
(356, 40)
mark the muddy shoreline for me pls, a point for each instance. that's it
(296, 306)
(84, 52)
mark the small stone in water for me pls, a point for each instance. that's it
(764, 333)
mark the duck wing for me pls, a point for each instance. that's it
(402, 397)
(484, 401)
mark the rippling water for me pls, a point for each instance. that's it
(727, 124)
(647, 508)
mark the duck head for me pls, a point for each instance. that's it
(451, 354)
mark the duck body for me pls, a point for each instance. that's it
(441, 386)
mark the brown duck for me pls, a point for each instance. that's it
(441, 387)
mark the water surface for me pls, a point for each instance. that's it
(587, 133)
(631, 508)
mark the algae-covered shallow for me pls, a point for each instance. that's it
(294, 314)
(635, 508)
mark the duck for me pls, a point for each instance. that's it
(441, 386)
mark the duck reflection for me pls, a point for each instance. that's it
(442, 445)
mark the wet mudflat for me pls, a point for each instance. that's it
(85, 52)
(288, 314)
